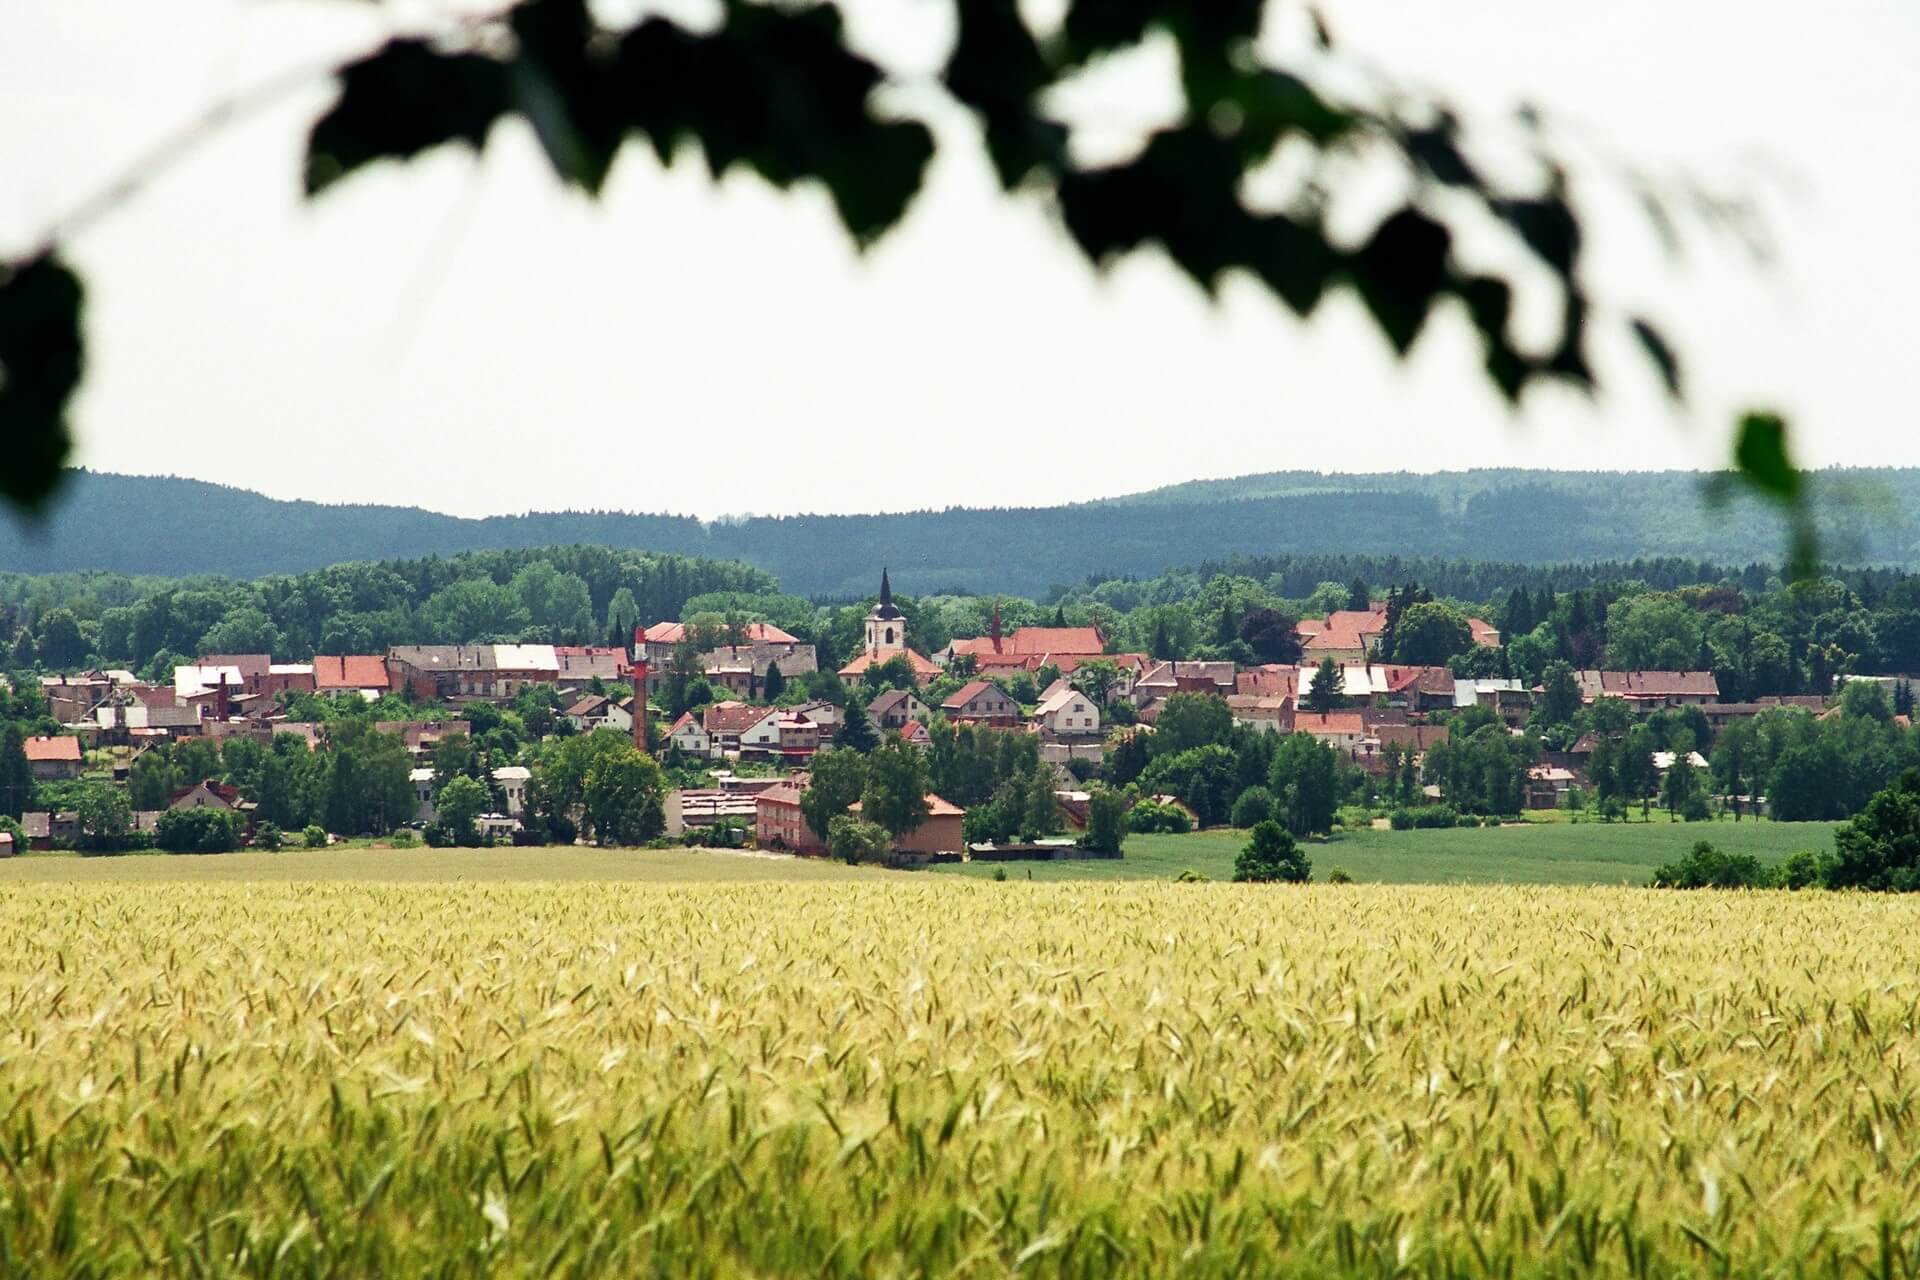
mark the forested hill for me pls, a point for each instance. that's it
(174, 527)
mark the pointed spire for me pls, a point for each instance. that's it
(886, 589)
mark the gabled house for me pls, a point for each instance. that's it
(826, 717)
(1345, 731)
(50, 759)
(364, 674)
(208, 795)
(690, 736)
(799, 737)
(1264, 712)
(895, 709)
(735, 727)
(1065, 712)
(597, 711)
(981, 702)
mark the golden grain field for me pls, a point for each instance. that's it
(939, 1078)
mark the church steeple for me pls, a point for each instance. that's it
(886, 625)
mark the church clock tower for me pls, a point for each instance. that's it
(886, 625)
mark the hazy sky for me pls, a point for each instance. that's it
(467, 336)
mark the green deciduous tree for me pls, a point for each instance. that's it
(16, 775)
(1430, 634)
(625, 797)
(1306, 783)
(1271, 855)
(1106, 821)
(460, 801)
(1189, 720)
(105, 817)
(896, 790)
(836, 780)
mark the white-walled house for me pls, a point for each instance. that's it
(1065, 712)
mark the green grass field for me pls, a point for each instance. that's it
(1537, 853)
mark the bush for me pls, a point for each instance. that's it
(403, 839)
(1254, 806)
(1000, 875)
(1706, 867)
(1429, 817)
(315, 835)
(1149, 817)
(1695, 808)
(197, 831)
(1190, 876)
(438, 837)
(1339, 876)
(1803, 869)
(267, 836)
(1271, 855)
(855, 840)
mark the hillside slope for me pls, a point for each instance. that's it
(152, 525)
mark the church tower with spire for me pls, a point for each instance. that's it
(886, 625)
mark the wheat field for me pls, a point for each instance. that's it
(941, 1078)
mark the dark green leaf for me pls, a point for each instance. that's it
(40, 360)
(1437, 152)
(1760, 455)
(1664, 358)
(1399, 273)
(565, 91)
(777, 91)
(997, 69)
(404, 99)
(1207, 29)
(1548, 226)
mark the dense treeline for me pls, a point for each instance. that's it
(173, 527)
(572, 595)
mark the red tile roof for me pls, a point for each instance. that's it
(1329, 722)
(734, 717)
(936, 808)
(922, 669)
(51, 750)
(349, 671)
(967, 693)
(1273, 680)
(1084, 641)
(757, 632)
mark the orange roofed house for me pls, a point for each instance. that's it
(49, 759)
(1044, 643)
(364, 674)
(1353, 636)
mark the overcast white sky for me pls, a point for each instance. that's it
(469, 337)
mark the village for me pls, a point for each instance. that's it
(741, 763)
